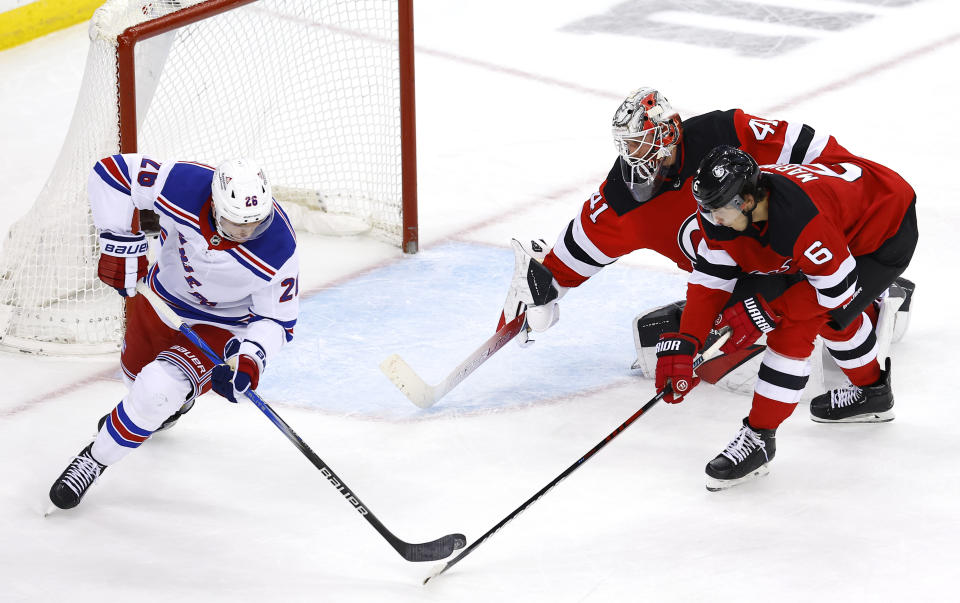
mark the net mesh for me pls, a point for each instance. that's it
(310, 89)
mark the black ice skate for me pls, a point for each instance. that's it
(75, 480)
(852, 404)
(745, 458)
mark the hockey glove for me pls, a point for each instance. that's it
(533, 290)
(675, 353)
(123, 261)
(749, 319)
(243, 362)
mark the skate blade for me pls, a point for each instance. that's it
(873, 417)
(716, 485)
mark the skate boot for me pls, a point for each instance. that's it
(745, 458)
(852, 404)
(76, 479)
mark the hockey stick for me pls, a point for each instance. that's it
(715, 369)
(434, 550)
(696, 363)
(424, 395)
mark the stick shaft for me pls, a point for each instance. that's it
(653, 401)
(408, 550)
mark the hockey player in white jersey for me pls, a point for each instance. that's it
(227, 265)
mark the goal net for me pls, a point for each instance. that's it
(319, 92)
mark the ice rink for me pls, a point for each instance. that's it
(514, 104)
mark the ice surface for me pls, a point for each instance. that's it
(513, 115)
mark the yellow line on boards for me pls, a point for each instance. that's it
(41, 17)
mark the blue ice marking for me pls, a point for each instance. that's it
(437, 307)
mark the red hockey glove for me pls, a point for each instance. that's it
(748, 319)
(123, 261)
(240, 371)
(675, 353)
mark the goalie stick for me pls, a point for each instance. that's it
(424, 395)
(434, 550)
(715, 369)
(707, 353)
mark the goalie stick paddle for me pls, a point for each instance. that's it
(424, 395)
(434, 550)
(709, 352)
(715, 369)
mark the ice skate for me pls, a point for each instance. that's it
(76, 479)
(745, 458)
(852, 404)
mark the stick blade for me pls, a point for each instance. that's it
(407, 381)
(435, 550)
(718, 367)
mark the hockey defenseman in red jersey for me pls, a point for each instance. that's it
(646, 202)
(227, 265)
(849, 229)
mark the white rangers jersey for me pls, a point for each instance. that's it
(250, 289)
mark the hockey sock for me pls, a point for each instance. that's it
(118, 437)
(855, 350)
(768, 414)
(780, 381)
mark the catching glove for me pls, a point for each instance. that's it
(675, 353)
(240, 371)
(748, 319)
(123, 261)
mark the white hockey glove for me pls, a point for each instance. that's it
(533, 290)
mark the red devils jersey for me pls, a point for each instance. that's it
(820, 216)
(612, 223)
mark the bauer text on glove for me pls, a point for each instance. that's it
(123, 260)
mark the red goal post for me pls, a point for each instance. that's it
(321, 92)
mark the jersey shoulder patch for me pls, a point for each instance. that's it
(266, 255)
(616, 193)
(790, 212)
(703, 132)
(188, 186)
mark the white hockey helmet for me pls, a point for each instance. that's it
(646, 129)
(242, 200)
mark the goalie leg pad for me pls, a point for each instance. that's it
(901, 288)
(647, 329)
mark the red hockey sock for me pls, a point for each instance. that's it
(865, 375)
(767, 413)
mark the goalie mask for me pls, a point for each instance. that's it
(646, 129)
(242, 200)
